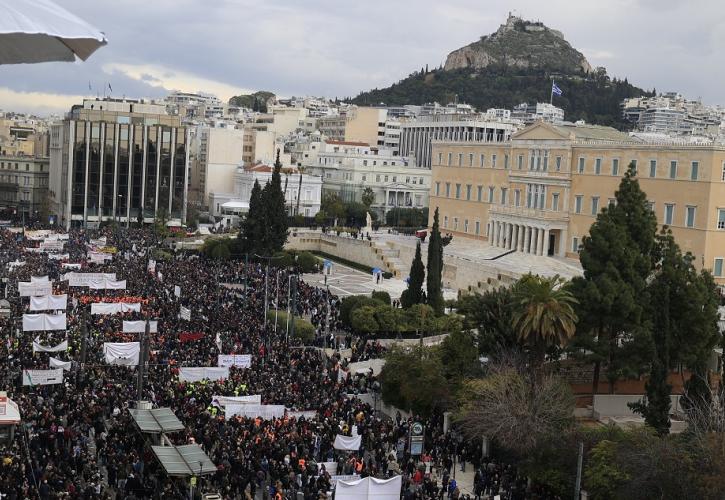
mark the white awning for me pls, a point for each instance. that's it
(236, 205)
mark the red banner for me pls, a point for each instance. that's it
(189, 336)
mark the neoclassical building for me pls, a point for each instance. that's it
(540, 191)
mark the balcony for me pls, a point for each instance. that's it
(529, 213)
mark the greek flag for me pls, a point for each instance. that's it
(555, 89)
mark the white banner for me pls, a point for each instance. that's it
(38, 347)
(185, 313)
(347, 443)
(330, 468)
(60, 256)
(85, 279)
(100, 242)
(238, 360)
(255, 399)
(114, 307)
(37, 234)
(99, 257)
(177, 290)
(266, 412)
(52, 246)
(140, 326)
(48, 302)
(27, 289)
(369, 487)
(69, 265)
(39, 279)
(41, 322)
(151, 266)
(42, 377)
(122, 353)
(16, 263)
(307, 415)
(59, 363)
(197, 373)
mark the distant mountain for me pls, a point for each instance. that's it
(516, 64)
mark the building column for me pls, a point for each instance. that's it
(540, 245)
(563, 241)
(527, 239)
(534, 240)
(515, 238)
(509, 233)
(510, 242)
(546, 242)
(494, 233)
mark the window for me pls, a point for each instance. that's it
(483, 160)
(651, 205)
(558, 163)
(581, 165)
(377, 178)
(520, 162)
(458, 191)
(407, 179)
(365, 163)
(595, 205)
(611, 202)
(575, 244)
(450, 159)
(721, 218)
(386, 178)
(653, 168)
(445, 221)
(615, 166)
(465, 226)
(455, 223)
(717, 268)
(470, 160)
(504, 192)
(468, 192)
(578, 204)
(460, 159)
(395, 178)
(555, 202)
(438, 188)
(517, 198)
(598, 166)
(722, 177)
(364, 178)
(27, 167)
(491, 190)
(420, 181)
(440, 158)
(480, 193)
(448, 189)
(693, 170)
(493, 161)
(505, 162)
(546, 160)
(532, 160)
(478, 227)
(673, 170)
(634, 164)
(690, 217)
(669, 213)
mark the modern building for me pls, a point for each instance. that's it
(540, 191)
(24, 185)
(348, 168)
(332, 127)
(417, 136)
(529, 113)
(118, 159)
(218, 154)
(372, 126)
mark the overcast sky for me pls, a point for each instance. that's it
(339, 48)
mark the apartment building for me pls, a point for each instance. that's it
(540, 191)
(24, 185)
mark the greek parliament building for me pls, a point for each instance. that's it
(117, 159)
(541, 191)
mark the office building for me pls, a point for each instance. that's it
(540, 191)
(118, 159)
(24, 186)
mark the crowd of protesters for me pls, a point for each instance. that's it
(78, 440)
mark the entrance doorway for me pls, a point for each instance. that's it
(552, 241)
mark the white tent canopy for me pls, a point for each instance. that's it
(34, 31)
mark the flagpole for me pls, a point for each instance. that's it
(551, 95)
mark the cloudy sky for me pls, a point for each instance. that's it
(338, 48)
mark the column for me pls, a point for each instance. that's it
(540, 246)
(534, 240)
(563, 242)
(527, 239)
(515, 238)
(546, 242)
(494, 229)
(509, 233)
(510, 242)
(520, 242)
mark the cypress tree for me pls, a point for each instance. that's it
(250, 231)
(274, 212)
(414, 293)
(435, 267)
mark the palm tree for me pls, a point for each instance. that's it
(543, 314)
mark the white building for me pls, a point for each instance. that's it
(297, 185)
(218, 154)
(529, 113)
(348, 168)
(416, 136)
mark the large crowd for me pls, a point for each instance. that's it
(78, 440)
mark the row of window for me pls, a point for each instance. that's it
(535, 195)
(455, 226)
(10, 166)
(539, 161)
(22, 180)
(668, 215)
(348, 176)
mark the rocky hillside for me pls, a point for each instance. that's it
(520, 44)
(514, 65)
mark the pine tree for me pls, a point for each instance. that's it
(435, 267)
(274, 212)
(250, 231)
(414, 293)
(617, 259)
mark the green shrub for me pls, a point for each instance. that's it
(381, 296)
(387, 275)
(304, 330)
(307, 262)
(349, 304)
(159, 254)
(283, 259)
(363, 320)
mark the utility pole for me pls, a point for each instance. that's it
(142, 359)
(276, 301)
(578, 484)
(293, 308)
